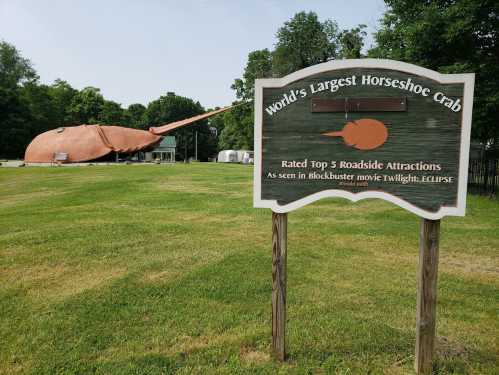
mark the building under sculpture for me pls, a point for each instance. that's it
(89, 142)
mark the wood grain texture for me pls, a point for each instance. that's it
(359, 105)
(279, 259)
(427, 131)
(427, 295)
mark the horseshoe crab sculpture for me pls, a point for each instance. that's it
(89, 142)
(363, 134)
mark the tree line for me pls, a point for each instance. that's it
(446, 36)
(459, 36)
(28, 108)
(302, 41)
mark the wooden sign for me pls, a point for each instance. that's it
(364, 129)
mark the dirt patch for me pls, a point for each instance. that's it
(16, 199)
(397, 369)
(448, 350)
(250, 356)
(481, 267)
(49, 283)
(160, 276)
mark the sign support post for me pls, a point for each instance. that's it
(358, 129)
(279, 280)
(429, 237)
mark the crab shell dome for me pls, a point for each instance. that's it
(87, 142)
(365, 134)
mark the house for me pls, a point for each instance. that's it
(164, 151)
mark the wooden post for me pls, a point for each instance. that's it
(279, 256)
(427, 295)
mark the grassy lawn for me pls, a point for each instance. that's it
(167, 269)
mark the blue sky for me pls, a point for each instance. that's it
(135, 51)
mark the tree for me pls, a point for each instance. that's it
(14, 124)
(259, 65)
(111, 113)
(42, 114)
(170, 108)
(15, 115)
(28, 108)
(304, 41)
(450, 37)
(86, 106)
(15, 70)
(217, 121)
(301, 42)
(134, 115)
(351, 42)
(238, 131)
(235, 133)
(62, 95)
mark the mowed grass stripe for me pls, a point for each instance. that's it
(158, 269)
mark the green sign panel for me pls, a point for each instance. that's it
(364, 129)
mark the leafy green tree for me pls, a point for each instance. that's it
(259, 65)
(134, 115)
(450, 37)
(217, 121)
(304, 41)
(28, 108)
(62, 95)
(14, 124)
(41, 107)
(86, 106)
(15, 117)
(238, 130)
(111, 113)
(169, 108)
(301, 42)
(15, 70)
(351, 42)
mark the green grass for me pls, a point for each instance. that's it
(167, 269)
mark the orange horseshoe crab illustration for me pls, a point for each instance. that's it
(363, 134)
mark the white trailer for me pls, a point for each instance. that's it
(248, 157)
(227, 156)
(235, 156)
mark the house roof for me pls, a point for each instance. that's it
(167, 144)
